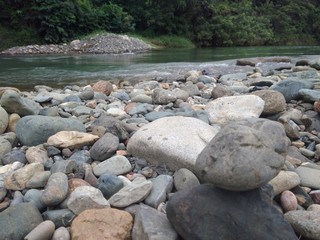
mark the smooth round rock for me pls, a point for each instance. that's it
(4, 120)
(56, 189)
(61, 233)
(109, 184)
(115, 165)
(288, 201)
(43, 231)
(185, 179)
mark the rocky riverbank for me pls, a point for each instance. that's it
(99, 44)
(205, 155)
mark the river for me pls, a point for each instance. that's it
(24, 72)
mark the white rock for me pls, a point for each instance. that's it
(71, 139)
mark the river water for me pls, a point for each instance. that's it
(24, 72)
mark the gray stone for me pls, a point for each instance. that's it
(220, 91)
(130, 194)
(116, 165)
(208, 211)
(67, 166)
(151, 116)
(34, 196)
(42, 97)
(233, 108)
(309, 95)
(61, 233)
(105, 147)
(182, 94)
(151, 224)
(34, 130)
(56, 189)
(141, 108)
(17, 198)
(168, 146)
(86, 197)
(5, 147)
(232, 78)
(191, 89)
(185, 179)
(60, 217)
(142, 98)
(161, 186)
(290, 88)
(309, 177)
(87, 94)
(305, 223)
(17, 221)
(12, 102)
(244, 155)
(81, 156)
(4, 120)
(16, 155)
(109, 184)
(38, 180)
(162, 96)
(43, 231)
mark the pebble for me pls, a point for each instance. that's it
(61, 233)
(43, 231)
(285, 180)
(115, 165)
(185, 179)
(109, 184)
(56, 189)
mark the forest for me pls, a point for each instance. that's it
(207, 23)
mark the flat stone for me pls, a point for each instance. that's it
(18, 179)
(18, 220)
(161, 186)
(107, 223)
(115, 165)
(86, 197)
(232, 108)
(244, 155)
(285, 180)
(309, 177)
(43, 231)
(309, 95)
(130, 194)
(151, 224)
(56, 189)
(185, 179)
(4, 120)
(168, 146)
(105, 147)
(35, 130)
(305, 223)
(208, 211)
(71, 139)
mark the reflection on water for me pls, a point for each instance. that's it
(26, 71)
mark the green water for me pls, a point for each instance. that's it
(24, 72)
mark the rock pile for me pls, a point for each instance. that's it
(197, 157)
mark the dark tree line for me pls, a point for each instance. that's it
(205, 22)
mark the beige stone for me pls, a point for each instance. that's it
(103, 87)
(37, 154)
(71, 139)
(106, 223)
(13, 119)
(285, 180)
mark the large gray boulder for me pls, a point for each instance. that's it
(172, 141)
(18, 220)
(208, 212)
(244, 155)
(12, 102)
(34, 130)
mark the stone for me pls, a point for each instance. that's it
(86, 197)
(42, 97)
(87, 93)
(56, 189)
(81, 156)
(103, 87)
(305, 223)
(151, 224)
(244, 155)
(115, 165)
(233, 108)
(4, 120)
(285, 180)
(66, 167)
(152, 116)
(233, 78)
(274, 101)
(18, 220)
(60, 217)
(18, 179)
(5, 147)
(34, 130)
(220, 91)
(71, 139)
(43, 231)
(38, 180)
(315, 195)
(105, 147)
(288, 201)
(12, 102)
(34, 196)
(168, 146)
(162, 96)
(17, 198)
(61, 233)
(130, 194)
(109, 184)
(191, 89)
(107, 223)
(309, 95)
(13, 119)
(309, 177)
(303, 198)
(16, 155)
(208, 211)
(161, 186)
(290, 88)
(185, 179)
(37, 154)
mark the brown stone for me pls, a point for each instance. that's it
(73, 183)
(103, 87)
(274, 101)
(13, 119)
(107, 223)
